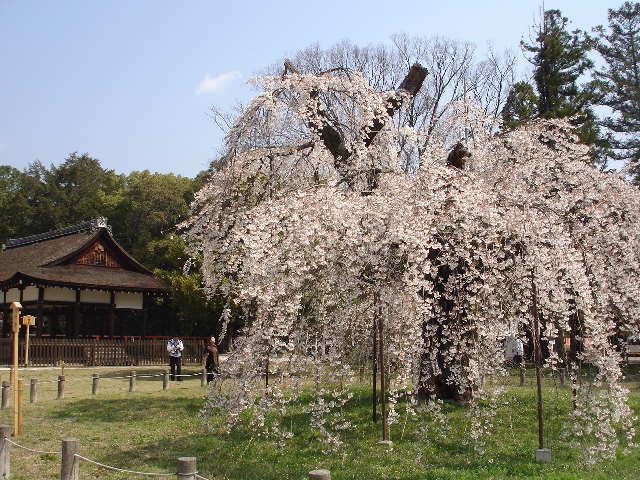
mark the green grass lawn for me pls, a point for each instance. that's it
(148, 429)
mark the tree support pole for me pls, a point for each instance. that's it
(543, 455)
(538, 361)
(383, 383)
(374, 383)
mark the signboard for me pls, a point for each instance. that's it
(15, 316)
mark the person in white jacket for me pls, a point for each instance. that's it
(175, 348)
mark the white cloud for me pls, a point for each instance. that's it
(217, 82)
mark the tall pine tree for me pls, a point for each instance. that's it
(520, 107)
(619, 82)
(560, 58)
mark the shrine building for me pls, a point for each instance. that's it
(77, 281)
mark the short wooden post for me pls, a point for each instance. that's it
(186, 468)
(203, 378)
(321, 474)
(132, 381)
(5, 451)
(94, 383)
(33, 391)
(70, 469)
(522, 372)
(20, 417)
(562, 375)
(165, 380)
(60, 386)
(6, 386)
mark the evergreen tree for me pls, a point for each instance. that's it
(520, 107)
(560, 59)
(619, 81)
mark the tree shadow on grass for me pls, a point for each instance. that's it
(127, 409)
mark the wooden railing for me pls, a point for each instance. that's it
(101, 352)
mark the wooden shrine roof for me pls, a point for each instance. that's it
(81, 256)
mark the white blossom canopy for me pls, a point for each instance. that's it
(316, 241)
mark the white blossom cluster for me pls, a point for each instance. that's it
(448, 261)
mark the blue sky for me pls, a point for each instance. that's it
(131, 82)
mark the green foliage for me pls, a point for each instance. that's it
(13, 202)
(520, 107)
(560, 58)
(81, 189)
(195, 314)
(152, 205)
(143, 209)
(619, 81)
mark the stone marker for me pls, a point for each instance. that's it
(321, 474)
(543, 455)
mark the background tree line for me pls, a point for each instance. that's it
(576, 73)
(143, 209)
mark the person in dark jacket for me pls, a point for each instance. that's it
(211, 359)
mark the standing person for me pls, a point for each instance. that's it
(175, 348)
(211, 359)
(518, 350)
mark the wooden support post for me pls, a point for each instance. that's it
(15, 329)
(26, 345)
(562, 375)
(20, 419)
(70, 468)
(112, 314)
(6, 391)
(203, 378)
(60, 386)
(40, 315)
(383, 382)
(77, 314)
(165, 380)
(320, 475)
(543, 455)
(145, 313)
(522, 374)
(374, 374)
(186, 468)
(94, 383)
(5, 452)
(33, 391)
(132, 381)
(27, 321)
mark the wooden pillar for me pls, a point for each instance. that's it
(145, 313)
(40, 312)
(6, 316)
(77, 315)
(112, 314)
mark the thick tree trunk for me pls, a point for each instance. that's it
(443, 384)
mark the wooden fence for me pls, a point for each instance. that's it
(71, 460)
(101, 352)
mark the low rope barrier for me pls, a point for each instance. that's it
(124, 470)
(70, 460)
(31, 449)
